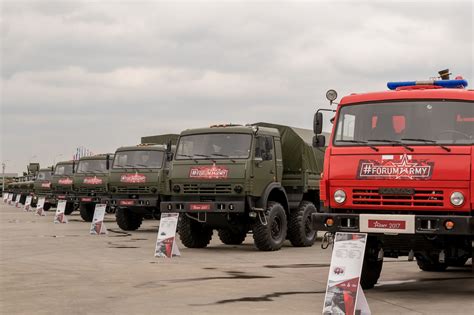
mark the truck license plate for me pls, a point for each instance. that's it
(387, 224)
(200, 206)
(126, 202)
(86, 199)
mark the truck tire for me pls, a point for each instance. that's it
(372, 266)
(69, 208)
(300, 231)
(128, 220)
(192, 233)
(87, 211)
(46, 206)
(270, 237)
(231, 237)
(433, 265)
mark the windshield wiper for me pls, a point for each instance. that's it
(224, 155)
(394, 142)
(428, 141)
(142, 165)
(188, 156)
(361, 142)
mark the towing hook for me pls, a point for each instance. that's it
(328, 240)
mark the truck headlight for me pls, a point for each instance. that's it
(176, 188)
(238, 189)
(457, 198)
(339, 196)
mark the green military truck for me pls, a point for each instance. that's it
(138, 179)
(25, 186)
(42, 188)
(61, 184)
(261, 177)
(90, 182)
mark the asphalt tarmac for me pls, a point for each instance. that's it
(49, 268)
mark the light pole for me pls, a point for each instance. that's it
(3, 175)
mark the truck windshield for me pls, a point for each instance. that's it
(214, 146)
(44, 175)
(92, 166)
(413, 122)
(63, 169)
(139, 159)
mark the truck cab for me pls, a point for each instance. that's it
(138, 179)
(90, 182)
(261, 177)
(399, 166)
(42, 187)
(61, 183)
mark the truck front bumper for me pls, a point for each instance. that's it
(92, 199)
(139, 201)
(203, 206)
(394, 224)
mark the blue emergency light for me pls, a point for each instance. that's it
(449, 84)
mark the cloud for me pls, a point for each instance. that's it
(103, 74)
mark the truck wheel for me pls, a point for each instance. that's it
(69, 208)
(427, 264)
(270, 237)
(300, 231)
(192, 233)
(372, 266)
(46, 206)
(128, 220)
(87, 212)
(231, 237)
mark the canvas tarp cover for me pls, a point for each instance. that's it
(297, 149)
(161, 139)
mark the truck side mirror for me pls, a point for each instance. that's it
(73, 166)
(319, 141)
(318, 123)
(107, 162)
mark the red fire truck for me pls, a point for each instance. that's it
(400, 167)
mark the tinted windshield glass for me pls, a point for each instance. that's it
(214, 146)
(138, 159)
(92, 166)
(445, 122)
(63, 169)
(43, 175)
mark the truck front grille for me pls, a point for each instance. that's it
(421, 198)
(134, 190)
(90, 190)
(207, 189)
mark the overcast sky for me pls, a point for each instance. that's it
(101, 74)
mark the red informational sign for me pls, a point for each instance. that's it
(404, 168)
(209, 172)
(126, 202)
(46, 184)
(387, 224)
(65, 181)
(93, 180)
(133, 178)
(199, 206)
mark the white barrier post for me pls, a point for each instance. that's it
(27, 206)
(343, 292)
(98, 225)
(60, 216)
(40, 206)
(166, 240)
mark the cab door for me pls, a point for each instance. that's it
(264, 164)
